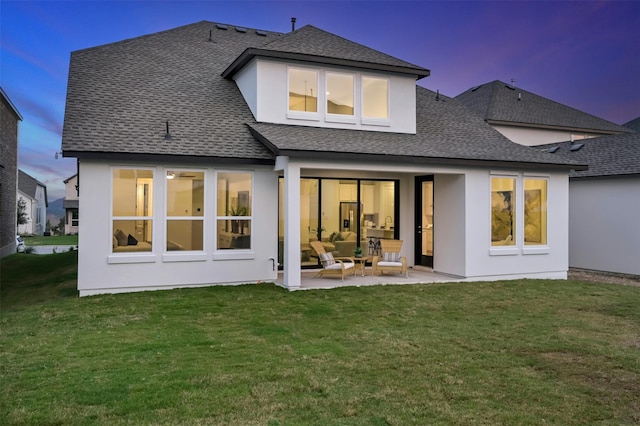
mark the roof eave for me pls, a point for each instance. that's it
(419, 159)
(552, 127)
(142, 157)
(251, 53)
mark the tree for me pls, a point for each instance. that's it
(21, 213)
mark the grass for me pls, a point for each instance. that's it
(54, 240)
(517, 352)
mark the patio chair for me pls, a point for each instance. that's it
(390, 260)
(330, 266)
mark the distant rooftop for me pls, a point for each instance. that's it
(501, 103)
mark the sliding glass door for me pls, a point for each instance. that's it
(343, 214)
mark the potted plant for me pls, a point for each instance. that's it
(237, 225)
(358, 251)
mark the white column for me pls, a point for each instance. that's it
(292, 278)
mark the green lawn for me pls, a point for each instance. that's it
(517, 352)
(54, 240)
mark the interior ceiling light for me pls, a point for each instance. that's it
(171, 175)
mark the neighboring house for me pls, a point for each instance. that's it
(34, 194)
(70, 205)
(530, 119)
(604, 203)
(211, 153)
(9, 118)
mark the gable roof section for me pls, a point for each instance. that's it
(613, 155)
(28, 185)
(501, 103)
(120, 97)
(633, 124)
(12, 107)
(311, 44)
(447, 133)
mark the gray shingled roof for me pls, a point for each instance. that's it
(612, 155)
(502, 102)
(312, 44)
(446, 130)
(633, 124)
(121, 95)
(28, 185)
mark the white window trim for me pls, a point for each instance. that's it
(533, 249)
(519, 248)
(184, 255)
(233, 254)
(129, 257)
(340, 118)
(302, 115)
(373, 121)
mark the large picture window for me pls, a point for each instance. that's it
(503, 211)
(132, 204)
(375, 98)
(234, 210)
(535, 211)
(303, 90)
(340, 94)
(185, 210)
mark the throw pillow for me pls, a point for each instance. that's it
(389, 256)
(131, 240)
(327, 259)
(121, 237)
(114, 243)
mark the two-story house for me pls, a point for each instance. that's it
(70, 205)
(530, 119)
(9, 120)
(214, 154)
(33, 194)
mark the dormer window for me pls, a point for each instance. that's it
(375, 98)
(340, 94)
(303, 90)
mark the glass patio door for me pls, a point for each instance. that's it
(424, 221)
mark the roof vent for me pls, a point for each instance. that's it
(293, 24)
(553, 149)
(261, 33)
(222, 26)
(509, 87)
(576, 146)
(241, 30)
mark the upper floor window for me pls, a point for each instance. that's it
(131, 214)
(375, 98)
(303, 90)
(185, 210)
(340, 94)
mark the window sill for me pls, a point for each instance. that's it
(504, 251)
(536, 250)
(234, 255)
(184, 257)
(309, 116)
(132, 258)
(376, 122)
(347, 119)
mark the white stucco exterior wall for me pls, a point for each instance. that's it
(264, 86)
(101, 271)
(604, 224)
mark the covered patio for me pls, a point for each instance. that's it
(417, 275)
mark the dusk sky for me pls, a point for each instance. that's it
(585, 54)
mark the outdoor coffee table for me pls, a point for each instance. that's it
(359, 264)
